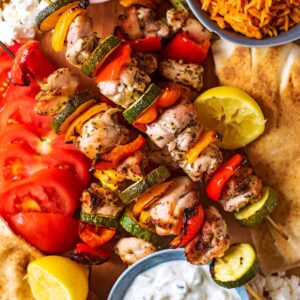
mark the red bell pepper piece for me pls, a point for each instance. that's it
(170, 95)
(148, 116)
(19, 71)
(148, 44)
(112, 69)
(95, 236)
(120, 152)
(217, 182)
(193, 221)
(183, 48)
(86, 255)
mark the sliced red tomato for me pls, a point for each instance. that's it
(21, 111)
(50, 190)
(18, 161)
(19, 134)
(50, 233)
(95, 236)
(71, 160)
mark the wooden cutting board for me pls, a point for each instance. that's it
(105, 19)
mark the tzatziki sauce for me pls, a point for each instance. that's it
(178, 280)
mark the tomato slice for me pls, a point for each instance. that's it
(17, 161)
(21, 111)
(50, 233)
(50, 190)
(71, 160)
(19, 134)
(95, 236)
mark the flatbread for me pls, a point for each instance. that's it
(15, 255)
(272, 77)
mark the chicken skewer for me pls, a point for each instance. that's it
(166, 221)
(164, 130)
(102, 202)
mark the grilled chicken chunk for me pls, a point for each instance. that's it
(101, 134)
(160, 156)
(212, 240)
(180, 20)
(132, 167)
(101, 201)
(242, 188)
(167, 213)
(179, 72)
(141, 22)
(132, 249)
(147, 62)
(187, 138)
(60, 85)
(203, 167)
(81, 40)
(171, 123)
(128, 88)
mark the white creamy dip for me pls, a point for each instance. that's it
(17, 20)
(178, 280)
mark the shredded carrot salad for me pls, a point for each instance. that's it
(254, 18)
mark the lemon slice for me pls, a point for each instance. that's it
(57, 278)
(233, 113)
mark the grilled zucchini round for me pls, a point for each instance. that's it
(255, 213)
(146, 100)
(48, 17)
(98, 56)
(238, 266)
(74, 108)
(100, 220)
(155, 177)
(131, 225)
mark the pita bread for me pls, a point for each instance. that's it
(15, 255)
(272, 77)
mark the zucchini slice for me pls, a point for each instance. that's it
(155, 177)
(73, 109)
(131, 225)
(180, 5)
(48, 17)
(238, 266)
(100, 220)
(255, 213)
(146, 100)
(98, 56)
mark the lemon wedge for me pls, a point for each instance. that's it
(57, 278)
(233, 113)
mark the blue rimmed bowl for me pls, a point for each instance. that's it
(125, 280)
(283, 38)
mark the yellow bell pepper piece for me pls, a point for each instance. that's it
(205, 139)
(127, 3)
(145, 200)
(108, 178)
(62, 26)
(80, 120)
(144, 217)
